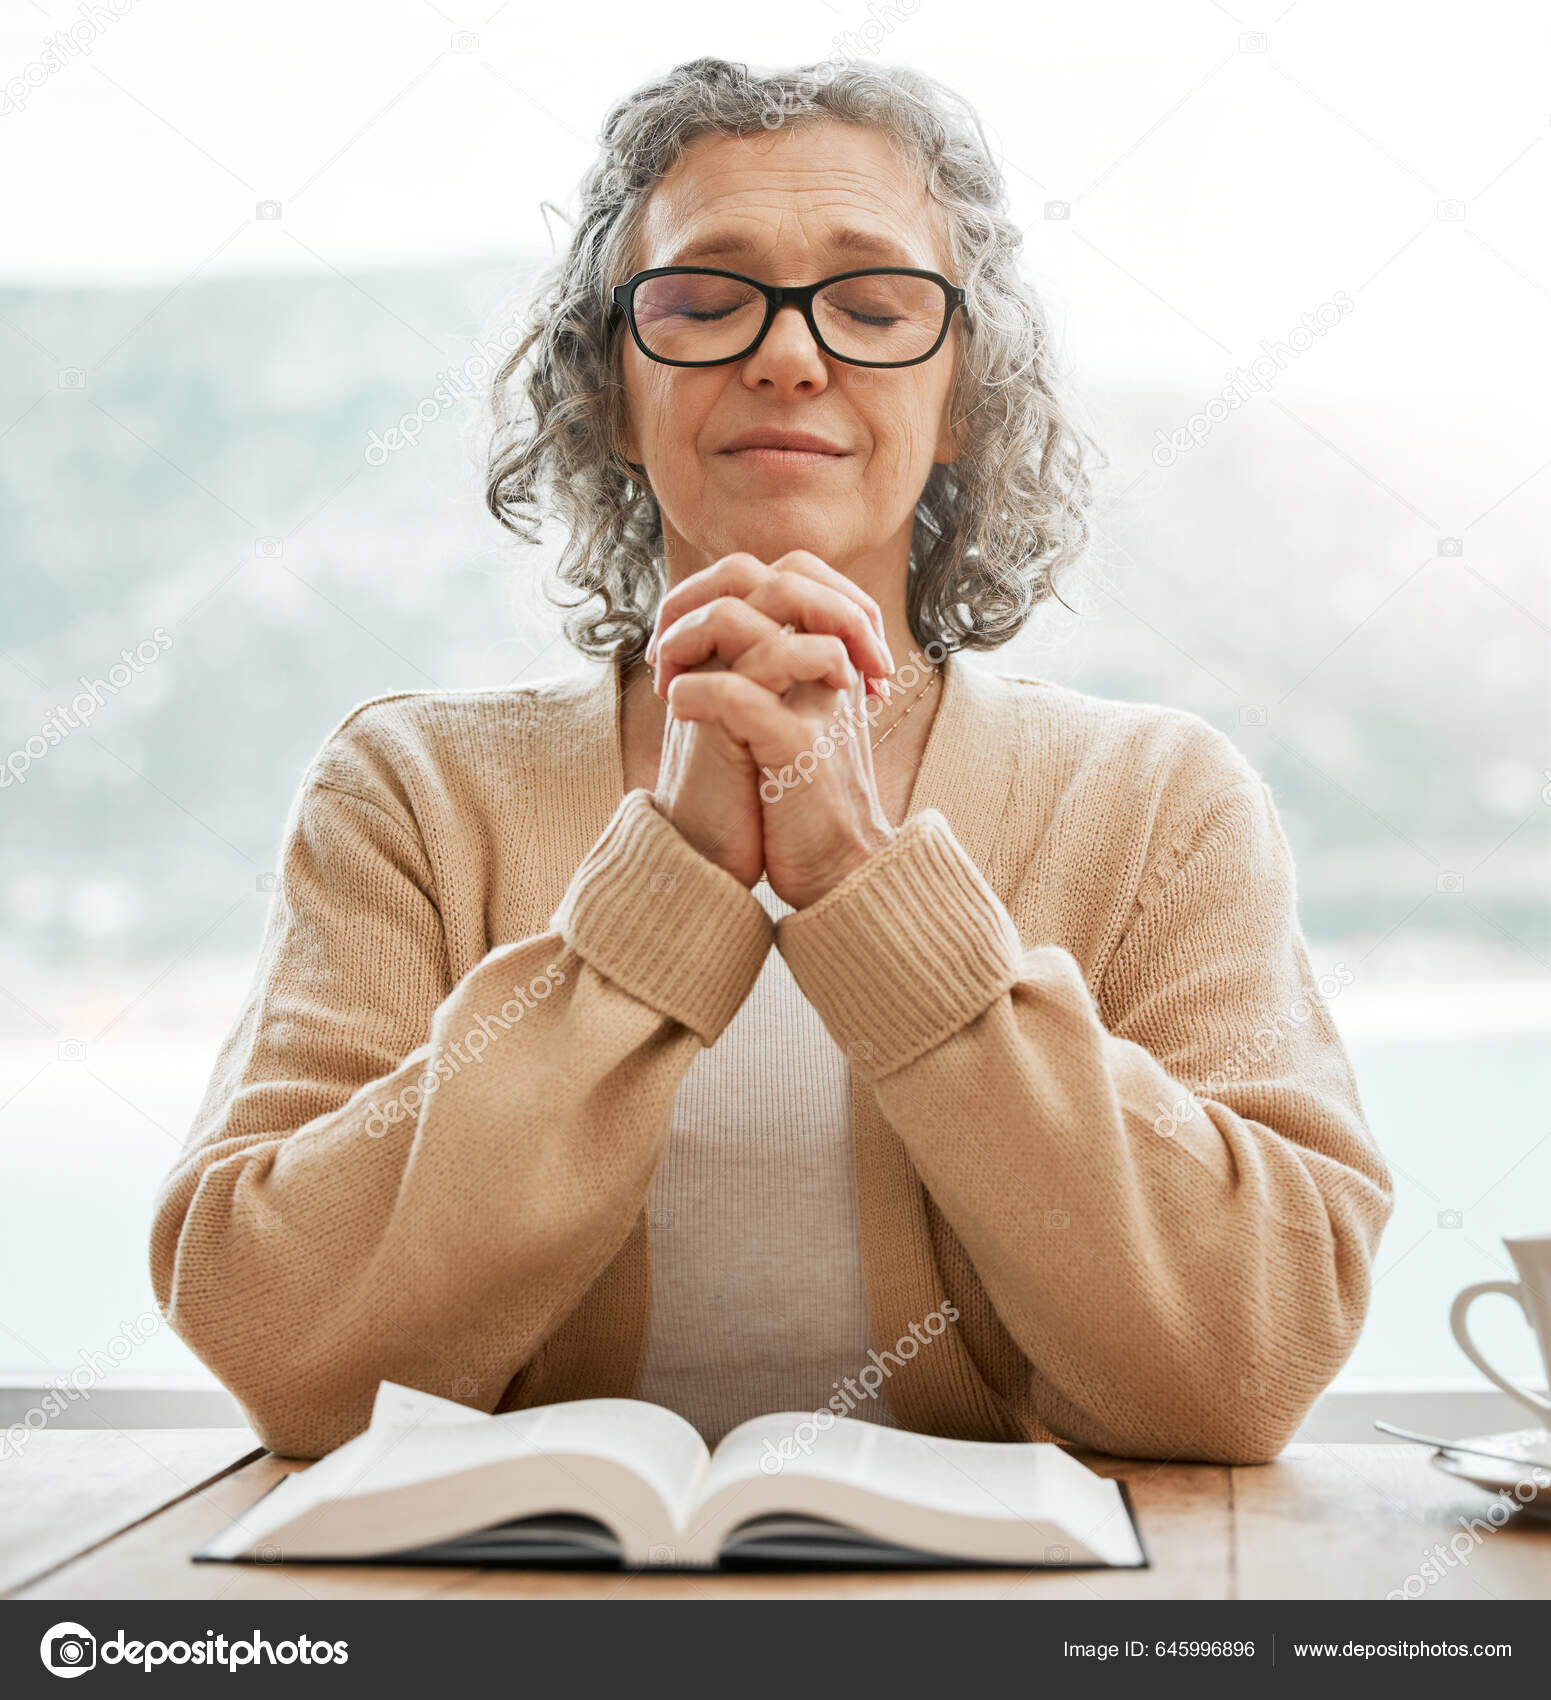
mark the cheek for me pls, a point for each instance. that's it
(668, 408)
(903, 422)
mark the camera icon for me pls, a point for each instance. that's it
(662, 1555)
(267, 210)
(68, 1649)
(265, 882)
(1058, 211)
(662, 885)
(1451, 548)
(1058, 1219)
(71, 1050)
(1450, 881)
(861, 1050)
(661, 1220)
(465, 1387)
(72, 378)
(1254, 41)
(1451, 1218)
(1451, 212)
(1252, 714)
(465, 41)
(268, 548)
(269, 1554)
(1058, 1555)
(1250, 1387)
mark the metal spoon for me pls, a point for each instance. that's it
(1452, 1445)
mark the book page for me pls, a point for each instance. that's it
(656, 1444)
(969, 1478)
(634, 1466)
(661, 1448)
(754, 1449)
(1001, 1499)
(404, 1444)
(397, 1406)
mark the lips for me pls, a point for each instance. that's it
(797, 444)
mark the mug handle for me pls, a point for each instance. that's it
(1457, 1322)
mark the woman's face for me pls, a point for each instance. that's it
(790, 208)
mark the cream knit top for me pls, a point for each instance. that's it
(757, 1297)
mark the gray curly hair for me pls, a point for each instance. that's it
(991, 528)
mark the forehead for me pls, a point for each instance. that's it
(820, 194)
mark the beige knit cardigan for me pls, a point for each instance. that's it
(1099, 1107)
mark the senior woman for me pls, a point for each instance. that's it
(1032, 1123)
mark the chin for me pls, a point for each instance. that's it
(770, 536)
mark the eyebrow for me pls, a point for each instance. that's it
(863, 244)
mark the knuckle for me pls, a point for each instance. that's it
(816, 601)
(773, 597)
(740, 562)
(715, 614)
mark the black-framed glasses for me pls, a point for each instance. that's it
(698, 316)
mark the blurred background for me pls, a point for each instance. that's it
(242, 243)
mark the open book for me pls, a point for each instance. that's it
(618, 1481)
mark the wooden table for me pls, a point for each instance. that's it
(99, 1515)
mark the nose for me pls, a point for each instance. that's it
(788, 361)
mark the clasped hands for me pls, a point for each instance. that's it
(760, 665)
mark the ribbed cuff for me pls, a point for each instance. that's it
(905, 951)
(650, 913)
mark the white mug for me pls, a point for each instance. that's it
(1532, 1258)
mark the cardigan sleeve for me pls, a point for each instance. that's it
(393, 1176)
(1173, 1205)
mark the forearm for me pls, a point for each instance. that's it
(304, 1267)
(1188, 1293)
(435, 1223)
(1179, 1292)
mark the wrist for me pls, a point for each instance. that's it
(713, 842)
(857, 851)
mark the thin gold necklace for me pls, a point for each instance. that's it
(791, 627)
(894, 724)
